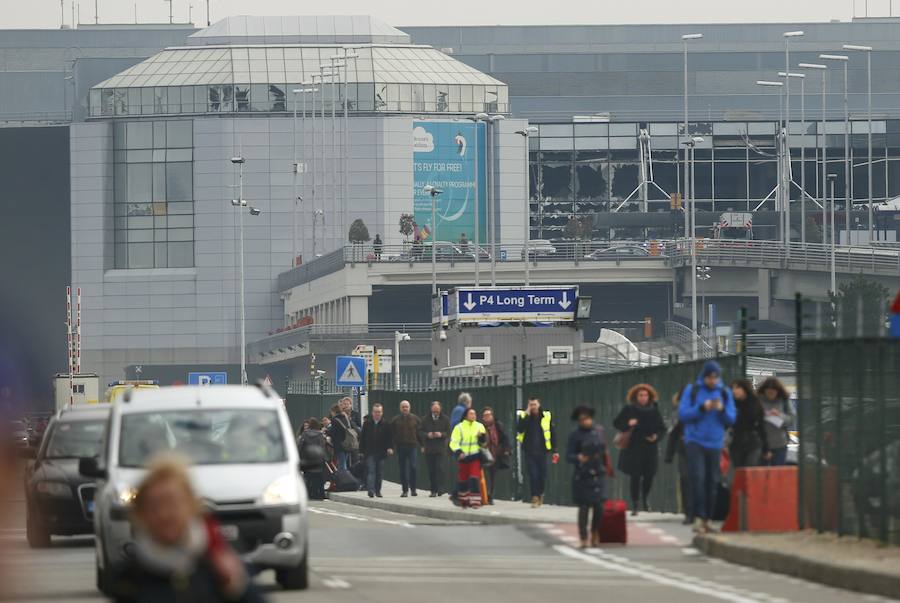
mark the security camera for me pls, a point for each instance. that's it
(237, 160)
(255, 211)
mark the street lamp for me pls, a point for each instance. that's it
(684, 40)
(478, 117)
(489, 121)
(831, 179)
(779, 155)
(824, 194)
(398, 337)
(298, 198)
(847, 204)
(241, 203)
(703, 275)
(526, 133)
(690, 219)
(802, 78)
(786, 177)
(434, 192)
(868, 51)
(345, 140)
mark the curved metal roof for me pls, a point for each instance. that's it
(307, 29)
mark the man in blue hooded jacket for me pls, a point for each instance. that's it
(707, 410)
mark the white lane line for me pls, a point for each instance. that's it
(336, 582)
(657, 531)
(669, 539)
(689, 550)
(555, 531)
(352, 517)
(710, 589)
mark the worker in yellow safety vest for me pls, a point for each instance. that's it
(536, 433)
(465, 442)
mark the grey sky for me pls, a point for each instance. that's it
(46, 13)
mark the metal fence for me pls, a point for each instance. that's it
(605, 392)
(849, 429)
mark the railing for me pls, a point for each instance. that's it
(765, 343)
(684, 337)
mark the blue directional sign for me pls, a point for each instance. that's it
(516, 304)
(210, 378)
(350, 371)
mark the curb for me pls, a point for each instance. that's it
(483, 515)
(856, 579)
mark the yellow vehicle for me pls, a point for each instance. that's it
(117, 388)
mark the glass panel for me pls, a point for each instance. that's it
(140, 135)
(179, 155)
(140, 222)
(731, 180)
(140, 255)
(259, 97)
(556, 130)
(159, 182)
(591, 129)
(160, 250)
(181, 234)
(121, 256)
(180, 208)
(623, 129)
(139, 182)
(139, 156)
(181, 221)
(140, 236)
(119, 181)
(242, 97)
(106, 101)
(179, 133)
(139, 209)
(179, 181)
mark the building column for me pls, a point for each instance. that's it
(764, 293)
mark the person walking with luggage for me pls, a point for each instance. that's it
(405, 430)
(497, 443)
(344, 438)
(434, 434)
(376, 444)
(463, 402)
(748, 436)
(312, 448)
(640, 422)
(585, 450)
(465, 443)
(707, 411)
(675, 448)
(536, 432)
(778, 420)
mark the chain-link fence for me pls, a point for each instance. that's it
(849, 431)
(604, 392)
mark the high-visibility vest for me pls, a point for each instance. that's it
(465, 437)
(545, 427)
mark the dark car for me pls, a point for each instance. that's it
(59, 500)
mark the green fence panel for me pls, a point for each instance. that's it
(301, 407)
(849, 429)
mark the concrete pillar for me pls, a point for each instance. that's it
(764, 293)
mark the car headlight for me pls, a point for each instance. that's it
(58, 489)
(126, 496)
(280, 492)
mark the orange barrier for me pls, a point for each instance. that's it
(763, 499)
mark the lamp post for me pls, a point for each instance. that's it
(240, 203)
(489, 121)
(847, 203)
(779, 154)
(831, 179)
(434, 192)
(478, 117)
(345, 139)
(526, 133)
(398, 337)
(703, 275)
(786, 175)
(824, 194)
(691, 225)
(298, 198)
(868, 51)
(802, 78)
(315, 156)
(688, 149)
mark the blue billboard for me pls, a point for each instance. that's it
(444, 156)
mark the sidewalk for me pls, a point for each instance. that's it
(847, 563)
(501, 512)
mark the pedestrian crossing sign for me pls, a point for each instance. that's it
(350, 371)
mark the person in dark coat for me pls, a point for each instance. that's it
(497, 442)
(641, 416)
(180, 555)
(376, 444)
(312, 447)
(434, 433)
(585, 450)
(778, 420)
(675, 448)
(748, 434)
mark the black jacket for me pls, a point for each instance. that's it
(533, 443)
(136, 584)
(749, 430)
(589, 478)
(429, 424)
(641, 456)
(376, 438)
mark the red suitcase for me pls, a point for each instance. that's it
(613, 528)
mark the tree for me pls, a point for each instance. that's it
(407, 226)
(859, 308)
(359, 232)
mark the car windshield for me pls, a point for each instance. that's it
(204, 437)
(76, 439)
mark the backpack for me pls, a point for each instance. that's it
(350, 442)
(312, 449)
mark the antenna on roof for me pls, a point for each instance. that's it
(207, 13)
(96, 12)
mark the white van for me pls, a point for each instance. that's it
(244, 465)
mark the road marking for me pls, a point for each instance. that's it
(336, 582)
(657, 531)
(352, 517)
(669, 539)
(689, 550)
(688, 583)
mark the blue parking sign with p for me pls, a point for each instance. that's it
(210, 378)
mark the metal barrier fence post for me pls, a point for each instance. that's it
(882, 445)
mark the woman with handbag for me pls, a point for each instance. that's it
(586, 450)
(497, 443)
(640, 427)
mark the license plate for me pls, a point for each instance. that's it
(229, 532)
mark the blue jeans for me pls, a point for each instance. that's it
(779, 458)
(408, 458)
(703, 465)
(536, 466)
(342, 459)
(374, 469)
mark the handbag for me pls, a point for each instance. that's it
(487, 459)
(622, 440)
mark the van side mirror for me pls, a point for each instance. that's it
(90, 467)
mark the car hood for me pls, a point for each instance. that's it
(222, 483)
(60, 470)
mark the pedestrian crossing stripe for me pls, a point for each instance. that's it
(350, 370)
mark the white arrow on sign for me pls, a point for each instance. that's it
(469, 304)
(565, 303)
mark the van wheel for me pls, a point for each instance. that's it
(295, 578)
(37, 534)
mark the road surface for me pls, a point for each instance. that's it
(379, 557)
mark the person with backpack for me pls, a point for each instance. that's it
(344, 438)
(405, 430)
(778, 420)
(376, 444)
(748, 436)
(312, 448)
(585, 450)
(641, 423)
(707, 411)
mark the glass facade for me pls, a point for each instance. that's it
(153, 180)
(390, 79)
(580, 169)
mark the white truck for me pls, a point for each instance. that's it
(85, 388)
